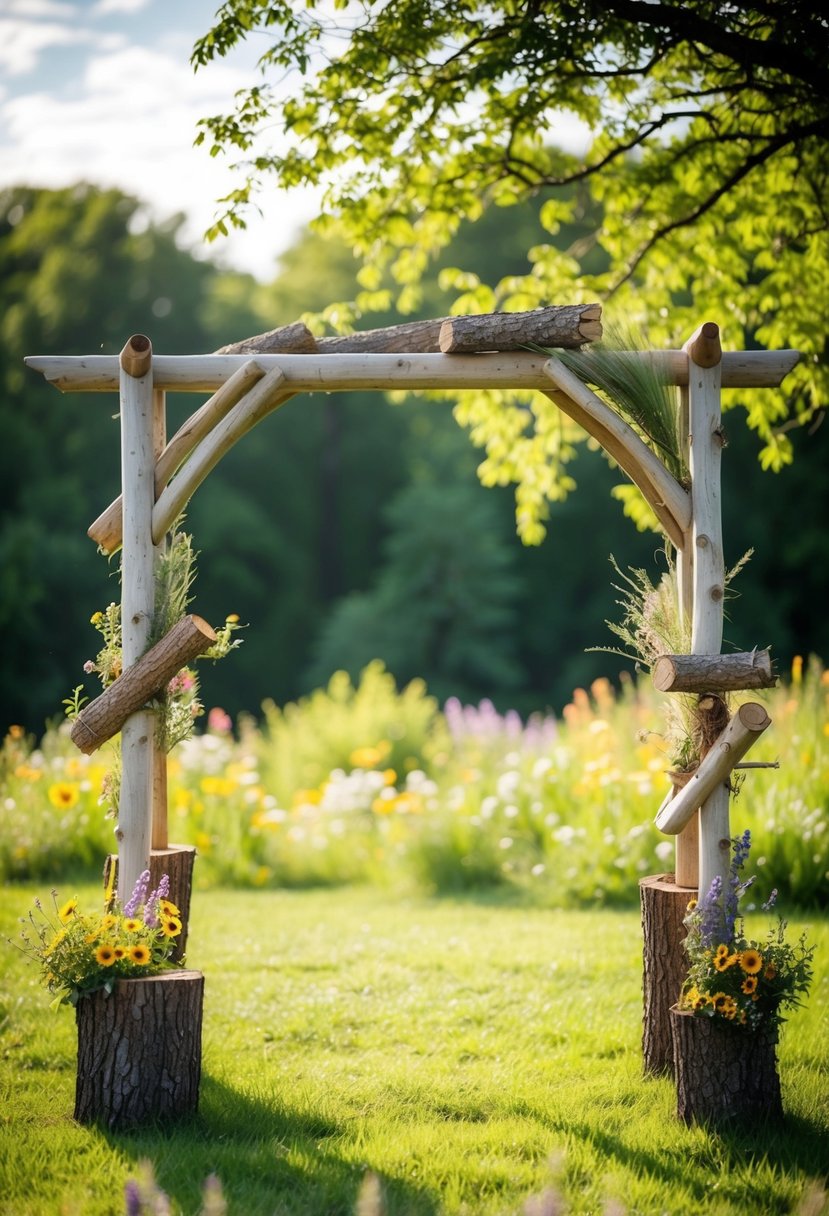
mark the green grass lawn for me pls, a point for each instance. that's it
(472, 1053)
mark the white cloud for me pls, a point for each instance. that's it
(23, 42)
(105, 8)
(131, 124)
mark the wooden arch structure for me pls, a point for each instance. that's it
(251, 379)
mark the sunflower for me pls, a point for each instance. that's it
(720, 1000)
(63, 795)
(723, 961)
(132, 924)
(770, 972)
(170, 926)
(139, 955)
(168, 908)
(66, 913)
(751, 961)
(749, 984)
(120, 952)
(721, 952)
(105, 955)
(729, 1008)
(108, 922)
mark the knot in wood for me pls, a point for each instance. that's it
(724, 843)
(702, 541)
(716, 594)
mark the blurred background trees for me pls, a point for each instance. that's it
(346, 526)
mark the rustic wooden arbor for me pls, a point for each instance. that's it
(253, 378)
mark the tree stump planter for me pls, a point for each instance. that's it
(177, 862)
(139, 1050)
(724, 1073)
(664, 906)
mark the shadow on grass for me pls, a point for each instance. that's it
(270, 1156)
(794, 1144)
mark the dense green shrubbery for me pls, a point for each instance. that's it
(368, 783)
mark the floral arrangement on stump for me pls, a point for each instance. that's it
(81, 952)
(732, 978)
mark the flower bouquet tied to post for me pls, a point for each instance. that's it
(81, 952)
(735, 979)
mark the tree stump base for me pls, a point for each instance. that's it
(177, 862)
(664, 907)
(139, 1050)
(724, 1073)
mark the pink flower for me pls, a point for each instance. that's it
(219, 722)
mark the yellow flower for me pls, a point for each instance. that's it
(721, 951)
(140, 955)
(797, 669)
(218, 787)
(16, 732)
(63, 794)
(367, 757)
(692, 903)
(749, 984)
(232, 618)
(66, 913)
(170, 926)
(105, 955)
(26, 772)
(120, 952)
(132, 924)
(751, 961)
(723, 961)
(108, 922)
(720, 1001)
(96, 618)
(169, 909)
(770, 972)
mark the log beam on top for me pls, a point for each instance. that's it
(741, 733)
(567, 326)
(334, 369)
(150, 675)
(295, 339)
(742, 670)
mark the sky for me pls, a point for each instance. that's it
(103, 91)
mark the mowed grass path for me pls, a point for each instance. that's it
(470, 1052)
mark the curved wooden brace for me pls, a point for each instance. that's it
(671, 504)
(261, 400)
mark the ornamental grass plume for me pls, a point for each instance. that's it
(79, 953)
(731, 978)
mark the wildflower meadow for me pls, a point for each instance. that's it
(380, 785)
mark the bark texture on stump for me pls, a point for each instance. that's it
(177, 862)
(139, 1050)
(724, 1072)
(664, 906)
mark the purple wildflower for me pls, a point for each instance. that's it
(771, 901)
(162, 891)
(139, 894)
(132, 1198)
(710, 913)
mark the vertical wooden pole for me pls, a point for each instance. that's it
(159, 817)
(687, 842)
(705, 448)
(137, 605)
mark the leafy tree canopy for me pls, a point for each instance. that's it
(707, 157)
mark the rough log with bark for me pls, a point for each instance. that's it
(567, 326)
(744, 670)
(105, 716)
(664, 906)
(139, 1050)
(724, 1074)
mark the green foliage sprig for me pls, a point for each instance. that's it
(81, 952)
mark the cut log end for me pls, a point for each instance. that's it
(703, 347)
(136, 358)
